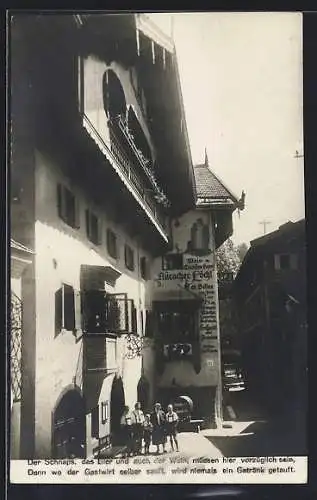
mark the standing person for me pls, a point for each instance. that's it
(158, 422)
(137, 428)
(126, 429)
(147, 433)
(171, 426)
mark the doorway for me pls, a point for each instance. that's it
(69, 426)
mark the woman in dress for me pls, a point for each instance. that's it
(158, 422)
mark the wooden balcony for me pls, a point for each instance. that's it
(127, 162)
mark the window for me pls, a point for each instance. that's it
(67, 206)
(95, 422)
(177, 325)
(112, 243)
(129, 257)
(285, 261)
(93, 227)
(172, 261)
(104, 412)
(103, 313)
(113, 95)
(143, 268)
(67, 309)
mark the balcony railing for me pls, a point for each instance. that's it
(130, 166)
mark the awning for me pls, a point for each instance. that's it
(97, 274)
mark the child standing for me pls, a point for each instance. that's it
(171, 426)
(147, 434)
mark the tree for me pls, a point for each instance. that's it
(229, 257)
(242, 250)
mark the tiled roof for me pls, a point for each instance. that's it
(209, 186)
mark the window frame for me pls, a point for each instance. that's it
(93, 238)
(111, 238)
(129, 250)
(64, 195)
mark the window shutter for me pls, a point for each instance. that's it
(99, 231)
(58, 311)
(134, 328)
(64, 309)
(68, 308)
(78, 309)
(60, 201)
(88, 223)
(129, 315)
(77, 213)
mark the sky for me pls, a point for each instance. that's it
(241, 78)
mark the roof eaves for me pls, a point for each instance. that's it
(149, 29)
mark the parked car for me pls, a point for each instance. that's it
(232, 378)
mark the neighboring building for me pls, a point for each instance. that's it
(185, 314)
(105, 198)
(270, 294)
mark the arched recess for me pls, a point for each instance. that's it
(69, 425)
(113, 95)
(143, 390)
(140, 139)
(117, 403)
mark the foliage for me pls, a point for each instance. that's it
(242, 250)
(229, 257)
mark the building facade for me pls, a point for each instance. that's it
(270, 296)
(104, 195)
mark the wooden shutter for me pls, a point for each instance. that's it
(134, 326)
(99, 231)
(77, 213)
(87, 222)
(78, 311)
(68, 308)
(58, 310)
(64, 309)
(61, 201)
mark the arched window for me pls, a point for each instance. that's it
(138, 135)
(113, 95)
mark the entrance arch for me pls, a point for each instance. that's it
(117, 403)
(144, 393)
(69, 426)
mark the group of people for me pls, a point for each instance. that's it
(154, 428)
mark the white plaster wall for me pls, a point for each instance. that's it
(60, 251)
(183, 371)
(16, 286)
(94, 70)
(15, 430)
